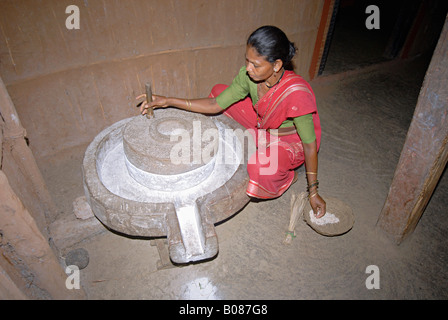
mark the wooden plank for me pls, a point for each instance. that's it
(327, 12)
(424, 155)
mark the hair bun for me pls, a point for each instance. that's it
(292, 51)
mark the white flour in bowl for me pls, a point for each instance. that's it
(328, 218)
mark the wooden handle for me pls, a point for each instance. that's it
(150, 113)
(148, 93)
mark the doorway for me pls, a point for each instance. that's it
(351, 45)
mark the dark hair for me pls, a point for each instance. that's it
(272, 43)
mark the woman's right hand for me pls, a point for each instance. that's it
(318, 205)
(157, 102)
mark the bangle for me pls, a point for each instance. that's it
(188, 104)
(313, 195)
(314, 184)
(308, 172)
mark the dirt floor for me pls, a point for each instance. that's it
(365, 117)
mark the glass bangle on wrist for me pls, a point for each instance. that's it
(313, 184)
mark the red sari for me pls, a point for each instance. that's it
(271, 167)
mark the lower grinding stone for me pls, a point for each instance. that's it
(135, 207)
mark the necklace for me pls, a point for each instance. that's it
(260, 119)
(276, 82)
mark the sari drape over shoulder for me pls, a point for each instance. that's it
(271, 167)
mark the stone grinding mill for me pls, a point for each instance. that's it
(140, 181)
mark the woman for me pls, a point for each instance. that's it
(278, 106)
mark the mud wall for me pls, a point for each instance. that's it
(67, 85)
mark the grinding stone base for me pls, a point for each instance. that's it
(158, 219)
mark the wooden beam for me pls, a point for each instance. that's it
(15, 146)
(28, 253)
(327, 12)
(8, 289)
(425, 152)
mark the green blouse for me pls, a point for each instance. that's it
(243, 85)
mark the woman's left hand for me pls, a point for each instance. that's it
(318, 205)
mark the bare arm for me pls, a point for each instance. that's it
(311, 161)
(205, 105)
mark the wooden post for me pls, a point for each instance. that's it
(31, 261)
(425, 152)
(8, 288)
(14, 142)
